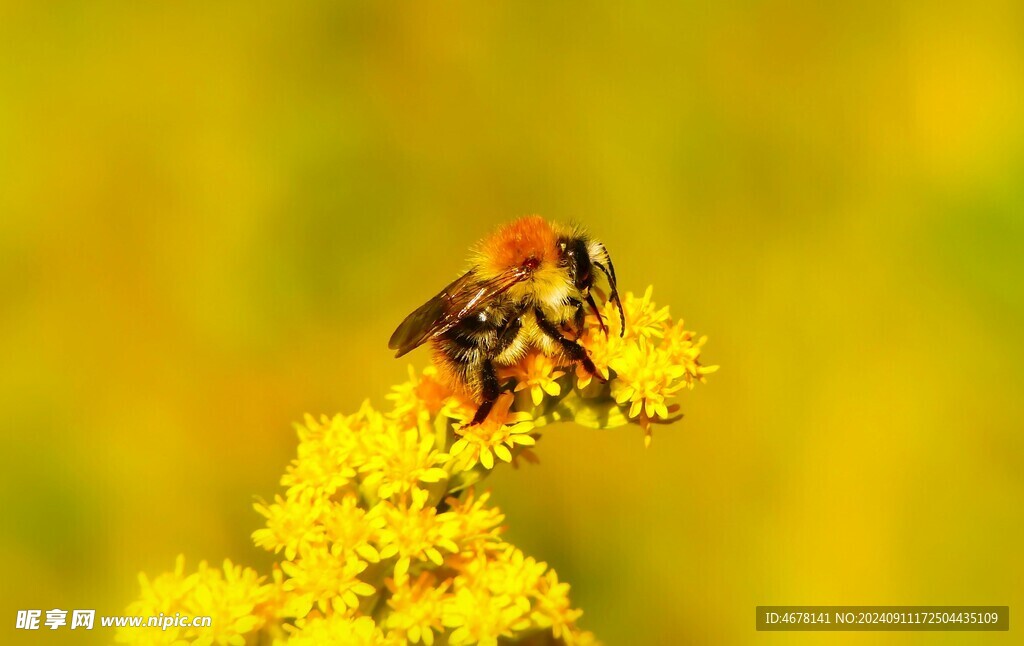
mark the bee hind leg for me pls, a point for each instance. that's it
(490, 388)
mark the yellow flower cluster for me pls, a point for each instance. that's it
(382, 536)
(654, 359)
(238, 601)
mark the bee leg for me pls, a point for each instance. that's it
(508, 333)
(572, 349)
(490, 389)
(579, 316)
(597, 313)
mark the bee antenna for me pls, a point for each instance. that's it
(615, 290)
(608, 259)
(614, 296)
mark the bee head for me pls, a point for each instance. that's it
(579, 257)
(575, 258)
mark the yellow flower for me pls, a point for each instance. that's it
(293, 523)
(680, 347)
(495, 436)
(601, 347)
(552, 608)
(325, 454)
(365, 489)
(337, 629)
(416, 608)
(645, 378)
(326, 580)
(478, 617)
(520, 592)
(419, 398)
(537, 372)
(165, 594)
(505, 572)
(400, 460)
(459, 406)
(415, 531)
(349, 528)
(230, 601)
(643, 319)
(576, 637)
(165, 591)
(272, 610)
(474, 519)
(234, 597)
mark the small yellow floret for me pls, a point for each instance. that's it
(495, 436)
(414, 532)
(324, 580)
(537, 373)
(233, 597)
(293, 523)
(338, 629)
(418, 399)
(416, 608)
(399, 460)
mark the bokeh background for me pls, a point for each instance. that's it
(212, 216)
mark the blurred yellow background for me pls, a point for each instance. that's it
(213, 216)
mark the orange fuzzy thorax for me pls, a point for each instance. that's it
(528, 239)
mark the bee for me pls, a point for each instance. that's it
(526, 288)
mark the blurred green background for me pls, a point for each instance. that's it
(212, 216)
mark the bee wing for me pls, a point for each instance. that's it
(464, 296)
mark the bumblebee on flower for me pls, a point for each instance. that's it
(527, 287)
(382, 534)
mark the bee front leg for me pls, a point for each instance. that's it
(489, 391)
(572, 349)
(508, 333)
(579, 316)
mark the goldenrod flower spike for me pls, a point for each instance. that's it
(382, 536)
